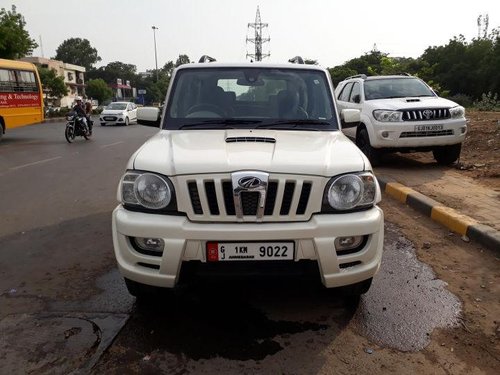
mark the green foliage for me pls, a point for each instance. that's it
(53, 85)
(462, 99)
(98, 89)
(488, 102)
(15, 41)
(181, 60)
(77, 51)
(114, 70)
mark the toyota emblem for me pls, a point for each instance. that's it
(427, 114)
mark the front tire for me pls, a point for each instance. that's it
(127, 121)
(363, 142)
(69, 133)
(446, 155)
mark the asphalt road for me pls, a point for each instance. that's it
(64, 307)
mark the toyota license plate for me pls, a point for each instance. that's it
(428, 128)
(234, 251)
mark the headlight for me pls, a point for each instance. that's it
(69, 118)
(148, 190)
(351, 191)
(387, 116)
(457, 112)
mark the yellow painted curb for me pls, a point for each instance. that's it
(451, 219)
(398, 191)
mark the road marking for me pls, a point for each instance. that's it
(112, 144)
(34, 163)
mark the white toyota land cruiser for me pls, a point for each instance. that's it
(401, 113)
(248, 174)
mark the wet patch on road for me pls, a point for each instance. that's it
(201, 324)
(406, 302)
(52, 342)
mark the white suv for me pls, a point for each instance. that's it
(401, 113)
(248, 174)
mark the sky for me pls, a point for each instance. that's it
(329, 31)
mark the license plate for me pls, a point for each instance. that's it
(235, 251)
(109, 118)
(428, 128)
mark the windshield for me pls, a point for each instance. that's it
(218, 97)
(117, 106)
(396, 88)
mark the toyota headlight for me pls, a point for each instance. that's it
(350, 191)
(457, 112)
(145, 189)
(387, 115)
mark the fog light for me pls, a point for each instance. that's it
(155, 245)
(385, 134)
(348, 243)
(463, 129)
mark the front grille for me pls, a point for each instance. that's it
(430, 133)
(285, 199)
(426, 114)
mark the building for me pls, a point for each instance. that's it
(74, 78)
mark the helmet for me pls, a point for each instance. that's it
(78, 98)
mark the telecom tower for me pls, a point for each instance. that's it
(258, 40)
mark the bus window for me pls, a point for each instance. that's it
(21, 97)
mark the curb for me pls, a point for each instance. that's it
(446, 216)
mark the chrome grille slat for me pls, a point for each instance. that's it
(426, 114)
(211, 198)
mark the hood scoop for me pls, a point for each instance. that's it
(412, 100)
(250, 139)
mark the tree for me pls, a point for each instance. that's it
(114, 70)
(77, 51)
(53, 85)
(98, 89)
(182, 59)
(15, 41)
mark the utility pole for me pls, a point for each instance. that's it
(258, 40)
(41, 45)
(156, 58)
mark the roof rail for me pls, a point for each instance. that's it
(206, 58)
(296, 60)
(362, 76)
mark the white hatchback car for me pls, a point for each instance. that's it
(249, 174)
(119, 113)
(401, 113)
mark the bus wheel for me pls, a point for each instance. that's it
(69, 133)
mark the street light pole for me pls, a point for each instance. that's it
(156, 58)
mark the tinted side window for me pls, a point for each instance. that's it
(344, 94)
(355, 91)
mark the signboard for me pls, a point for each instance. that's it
(141, 92)
(17, 100)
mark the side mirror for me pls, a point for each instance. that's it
(350, 117)
(148, 116)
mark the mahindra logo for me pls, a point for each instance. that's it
(427, 114)
(250, 182)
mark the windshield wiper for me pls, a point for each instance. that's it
(219, 124)
(293, 124)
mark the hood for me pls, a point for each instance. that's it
(206, 151)
(410, 103)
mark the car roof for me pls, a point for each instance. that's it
(250, 65)
(372, 78)
(119, 102)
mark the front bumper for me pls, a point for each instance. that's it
(185, 241)
(403, 134)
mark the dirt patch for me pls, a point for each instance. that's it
(480, 157)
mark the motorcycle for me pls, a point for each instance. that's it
(76, 127)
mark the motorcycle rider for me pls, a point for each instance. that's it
(88, 112)
(79, 109)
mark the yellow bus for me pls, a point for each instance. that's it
(21, 98)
